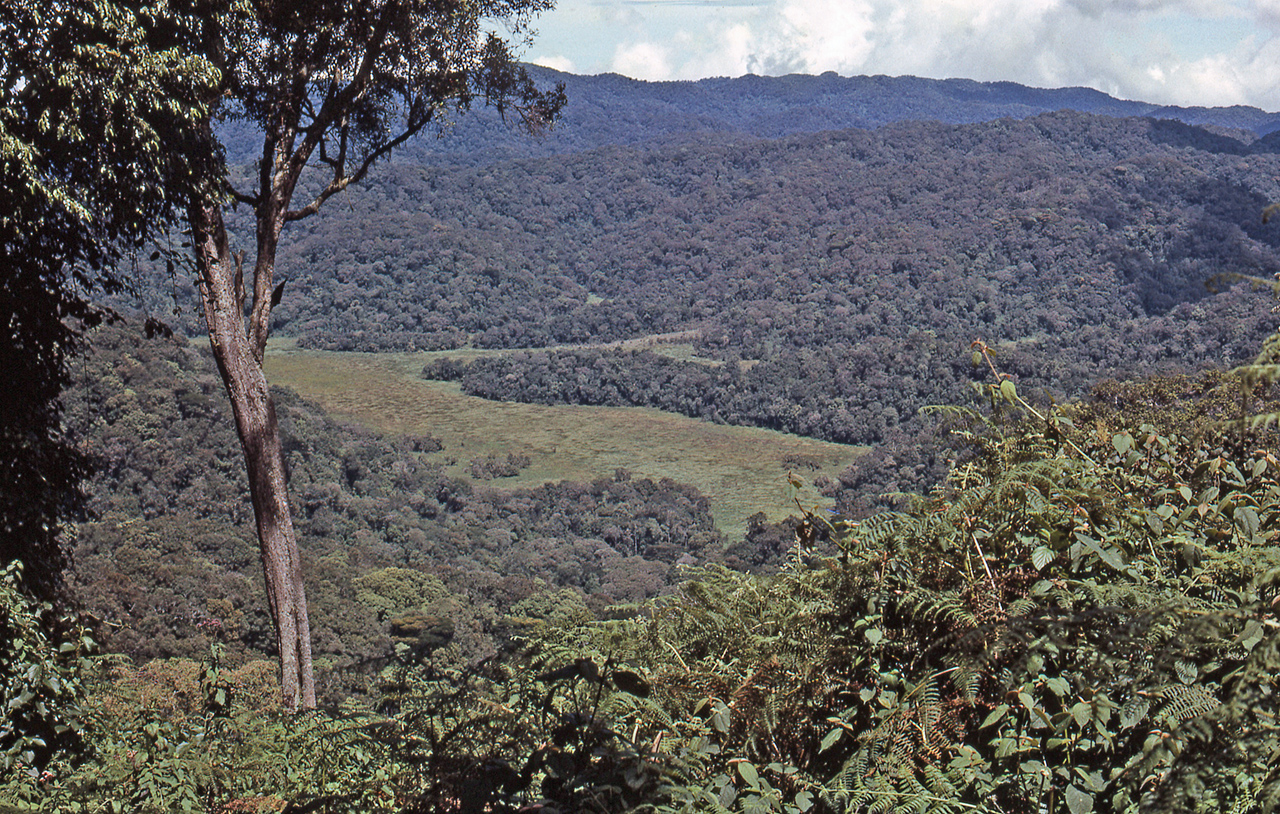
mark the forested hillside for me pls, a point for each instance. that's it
(845, 271)
(1083, 619)
(1076, 613)
(848, 270)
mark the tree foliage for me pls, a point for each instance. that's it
(1081, 618)
(844, 272)
(43, 661)
(96, 109)
(96, 112)
(167, 562)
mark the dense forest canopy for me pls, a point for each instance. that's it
(673, 238)
(848, 270)
(1083, 614)
(171, 544)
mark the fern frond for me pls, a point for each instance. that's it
(925, 605)
(1182, 702)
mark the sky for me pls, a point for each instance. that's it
(1183, 52)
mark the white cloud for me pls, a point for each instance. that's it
(1098, 8)
(1211, 81)
(645, 60)
(712, 52)
(820, 35)
(1267, 13)
(556, 63)
(1250, 76)
(1165, 51)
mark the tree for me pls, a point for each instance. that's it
(332, 87)
(98, 107)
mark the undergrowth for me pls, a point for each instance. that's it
(1081, 618)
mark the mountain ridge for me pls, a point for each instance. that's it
(611, 109)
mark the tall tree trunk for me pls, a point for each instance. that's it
(238, 348)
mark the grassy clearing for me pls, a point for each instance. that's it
(742, 470)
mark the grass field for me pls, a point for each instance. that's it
(742, 470)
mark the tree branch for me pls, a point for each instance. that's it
(341, 182)
(338, 104)
(242, 197)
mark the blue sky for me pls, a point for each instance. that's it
(1188, 52)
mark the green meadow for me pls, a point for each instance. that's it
(742, 470)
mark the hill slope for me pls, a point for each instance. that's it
(849, 269)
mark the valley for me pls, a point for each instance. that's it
(741, 470)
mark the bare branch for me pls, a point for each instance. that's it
(338, 103)
(340, 183)
(242, 197)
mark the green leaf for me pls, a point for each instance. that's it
(996, 715)
(1008, 391)
(1033, 767)
(1134, 711)
(1083, 713)
(1058, 686)
(1187, 672)
(1080, 802)
(830, 739)
(1041, 556)
(747, 771)
(1251, 635)
(1247, 522)
(1108, 555)
(1028, 700)
(727, 795)
(1122, 442)
(1092, 780)
(1155, 522)
(720, 718)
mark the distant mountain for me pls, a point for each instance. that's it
(613, 110)
(836, 253)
